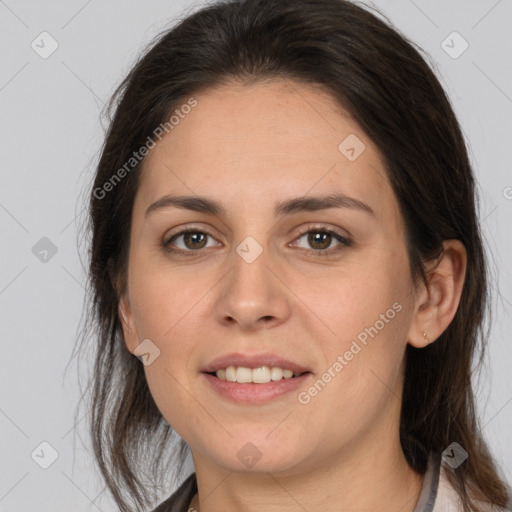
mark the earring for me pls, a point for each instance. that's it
(426, 337)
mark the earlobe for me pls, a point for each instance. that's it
(438, 303)
(122, 314)
(127, 324)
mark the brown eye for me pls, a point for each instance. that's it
(188, 241)
(320, 242)
(194, 239)
(319, 239)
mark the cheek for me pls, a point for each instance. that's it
(368, 314)
(165, 312)
(349, 301)
(165, 298)
(362, 377)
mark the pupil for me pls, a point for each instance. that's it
(193, 237)
(196, 238)
(317, 238)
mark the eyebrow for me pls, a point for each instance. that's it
(294, 205)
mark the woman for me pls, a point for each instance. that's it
(287, 271)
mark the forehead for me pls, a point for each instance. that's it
(280, 139)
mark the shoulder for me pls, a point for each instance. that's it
(438, 494)
(180, 499)
(448, 499)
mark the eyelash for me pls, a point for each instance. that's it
(343, 241)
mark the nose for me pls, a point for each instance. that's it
(253, 294)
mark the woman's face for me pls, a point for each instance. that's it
(258, 280)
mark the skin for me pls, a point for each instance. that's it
(249, 147)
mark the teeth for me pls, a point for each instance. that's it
(260, 375)
(230, 374)
(243, 374)
(276, 373)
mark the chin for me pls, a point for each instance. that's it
(245, 456)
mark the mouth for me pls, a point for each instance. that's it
(255, 393)
(259, 375)
(254, 368)
(255, 378)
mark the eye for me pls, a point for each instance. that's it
(320, 239)
(188, 241)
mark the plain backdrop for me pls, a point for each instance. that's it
(50, 134)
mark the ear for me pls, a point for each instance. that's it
(128, 324)
(436, 305)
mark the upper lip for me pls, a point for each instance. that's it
(253, 361)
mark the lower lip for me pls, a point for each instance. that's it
(251, 393)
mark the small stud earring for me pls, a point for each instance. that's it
(426, 337)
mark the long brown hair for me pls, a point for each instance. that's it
(382, 79)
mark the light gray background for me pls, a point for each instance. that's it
(50, 134)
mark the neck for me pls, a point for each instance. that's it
(381, 480)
